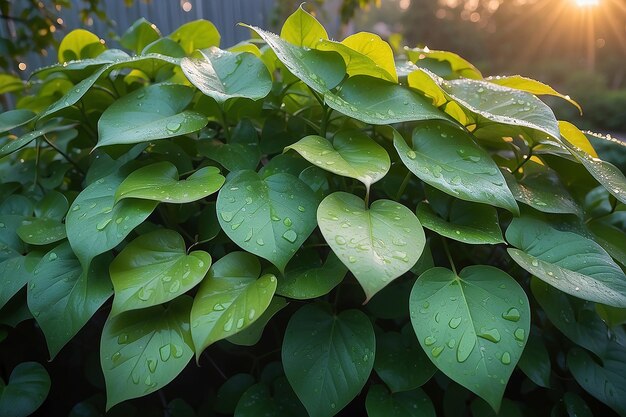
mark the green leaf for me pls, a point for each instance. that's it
(15, 273)
(270, 217)
(15, 144)
(508, 409)
(62, 295)
(400, 361)
(251, 335)
(467, 222)
(610, 238)
(503, 105)
(223, 75)
(139, 35)
(448, 159)
(142, 351)
(305, 277)
(531, 86)
(606, 382)
(153, 269)
(278, 400)
(472, 326)
(352, 154)
(150, 113)
(95, 224)
(327, 358)
(27, 389)
(231, 391)
(360, 98)
(576, 406)
(79, 44)
(378, 244)
(319, 70)
(229, 299)
(570, 262)
(302, 29)
(535, 361)
(612, 316)
(41, 231)
(159, 182)
(458, 65)
(11, 119)
(198, 34)
(381, 403)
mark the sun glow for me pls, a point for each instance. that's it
(587, 3)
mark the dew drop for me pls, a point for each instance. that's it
(436, 351)
(228, 326)
(301, 209)
(493, 335)
(512, 314)
(152, 365)
(173, 127)
(122, 339)
(454, 322)
(103, 224)
(226, 216)
(519, 334)
(534, 262)
(429, 341)
(116, 357)
(466, 346)
(164, 352)
(240, 323)
(506, 358)
(53, 256)
(218, 307)
(178, 351)
(411, 154)
(260, 242)
(290, 236)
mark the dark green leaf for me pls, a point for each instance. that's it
(27, 389)
(306, 277)
(382, 403)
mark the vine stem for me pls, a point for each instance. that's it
(521, 164)
(63, 154)
(447, 251)
(403, 186)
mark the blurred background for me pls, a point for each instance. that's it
(577, 46)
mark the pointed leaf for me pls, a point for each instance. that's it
(27, 389)
(377, 244)
(63, 296)
(535, 361)
(15, 275)
(351, 153)
(381, 403)
(327, 358)
(11, 119)
(139, 34)
(222, 75)
(149, 113)
(302, 29)
(459, 65)
(570, 262)
(448, 159)
(251, 335)
(142, 351)
(79, 44)
(95, 224)
(229, 299)
(13, 145)
(159, 182)
(198, 34)
(270, 217)
(472, 326)
(305, 277)
(153, 269)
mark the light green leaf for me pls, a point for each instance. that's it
(535, 361)
(79, 44)
(153, 269)
(606, 382)
(327, 357)
(360, 98)
(319, 70)
(95, 224)
(401, 362)
(378, 244)
(230, 299)
(352, 154)
(159, 182)
(472, 326)
(142, 351)
(575, 137)
(149, 113)
(10, 83)
(305, 277)
(11, 119)
(223, 75)
(381, 403)
(198, 34)
(13, 145)
(27, 389)
(503, 105)
(63, 296)
(570, 262)
(448, 159)
(302, 29)
(251, 335)
(467, 222)
(458, 65)
(270, 217)
(139, 34)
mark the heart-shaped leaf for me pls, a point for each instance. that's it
(223, 75)
(305, 277)
(270, 217)
(96, 224)
(377, 244)
(570, 262)
(46, 228)
(473, 326)
(27, 389)
(153, 269)
(149, 113)
(302, 29)
(327, 357)
(62, 295)
(351, 153)
(141, 351)
(360, 98)
(448, 159)
(197, 34)
(230, 299)
(159, 182)
(381, 403)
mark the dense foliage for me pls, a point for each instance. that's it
(318, 226)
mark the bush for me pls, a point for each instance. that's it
(268, 209)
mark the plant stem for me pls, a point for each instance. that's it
(521, 164)
(367, 197)
(37, 158)
(325, 118)
(405, 182)
(64, 155)
(447, 251)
